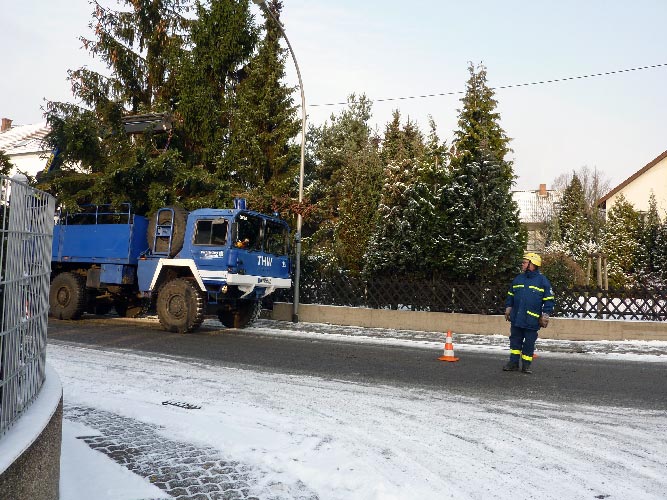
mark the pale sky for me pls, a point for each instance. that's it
(393, 49)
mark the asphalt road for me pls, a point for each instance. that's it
(559, 379)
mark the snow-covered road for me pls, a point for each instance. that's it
(343, 440)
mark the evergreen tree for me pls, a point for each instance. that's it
(264, 124)
(230, 117)
(621, 242)
(483, 227)
(391, 248)
(360, 187)
(575, 228)
(648, 250)
(344, 183)
(138, 46)
(435, 151)
(594, 185)
(660, 254)
(5, 163)
(401, 142)
(332, 146)
(407, 238)
(485, 234)
(222, 39)
(479, 134)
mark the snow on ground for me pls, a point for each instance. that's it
(87, 474)
(644, 350)
(358, 441)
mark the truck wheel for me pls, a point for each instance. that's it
(177, 233)
(180, 306)
(246, 313)
(67, 297)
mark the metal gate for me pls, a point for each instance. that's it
(26, 230)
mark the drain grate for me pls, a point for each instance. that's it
(180, 404)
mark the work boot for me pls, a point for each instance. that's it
(526, 368)
(511, 367)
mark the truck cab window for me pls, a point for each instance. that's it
(248, 232)
(211, 232)
(275, 238)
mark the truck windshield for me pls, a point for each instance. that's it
(256, 233)
(248, 232)
(211, 232)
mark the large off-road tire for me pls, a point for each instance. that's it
(177, 233)
(245, 314)
(67, 297)
(180, 305)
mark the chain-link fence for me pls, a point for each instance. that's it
(26, 227)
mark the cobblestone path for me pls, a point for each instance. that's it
(184, 471)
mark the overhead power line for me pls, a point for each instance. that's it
(511, 86)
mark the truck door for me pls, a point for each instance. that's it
(210, 246)
(263, 244)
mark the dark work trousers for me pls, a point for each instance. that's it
(522, 345)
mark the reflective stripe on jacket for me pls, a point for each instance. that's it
(529, 296)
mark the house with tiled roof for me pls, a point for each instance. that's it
(536, 208)
(24, 146)
(637, 189)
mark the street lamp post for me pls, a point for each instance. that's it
(299, 219)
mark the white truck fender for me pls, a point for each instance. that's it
(178, 263)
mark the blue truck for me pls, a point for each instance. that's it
(186, 266)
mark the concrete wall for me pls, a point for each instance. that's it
(559, 328)
(30, 449)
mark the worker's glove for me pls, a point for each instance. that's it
(544, 320)
(508, 310)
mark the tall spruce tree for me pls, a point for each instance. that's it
(479, 133)
(406, 238)
(648, 251)
(265, 122)
(575, 228)
(192, 71)
(222, 39)
(483, 228)
(621, 241)
(391, 247)
(139, 45)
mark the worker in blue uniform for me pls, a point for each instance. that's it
(529, 303)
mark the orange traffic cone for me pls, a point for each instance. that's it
(449, 349)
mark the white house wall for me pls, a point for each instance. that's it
(639, 190)
(29, 164)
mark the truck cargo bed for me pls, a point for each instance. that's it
(100, 243)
